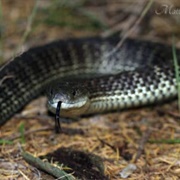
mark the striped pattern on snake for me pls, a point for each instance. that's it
(138, 73)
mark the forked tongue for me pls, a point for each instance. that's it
(57, 118)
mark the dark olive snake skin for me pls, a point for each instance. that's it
(138, 73)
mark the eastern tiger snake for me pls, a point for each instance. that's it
(136, 74)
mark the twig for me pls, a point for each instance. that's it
(142, 143)
(18, 135)
(107, 144)
(131, 29)
(29, 25)
(66, 131)
(35, 117)
(175, 115)
(47, 167)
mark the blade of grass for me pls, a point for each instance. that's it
(176, 67)
(165, 141)
(29, 24)
(144, 12)
(71, 15)
(4, 141)
(1, 33)
(21, 131)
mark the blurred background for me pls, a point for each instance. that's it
(32, 22)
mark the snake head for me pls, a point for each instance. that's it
(74, 98)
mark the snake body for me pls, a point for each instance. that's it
(137, 73)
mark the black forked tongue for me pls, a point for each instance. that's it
(57, 118)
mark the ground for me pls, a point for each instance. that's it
(146, 137)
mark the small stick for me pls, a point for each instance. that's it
(18, 135)
(142, 143)
(47, 167)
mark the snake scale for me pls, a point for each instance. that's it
(136, 74)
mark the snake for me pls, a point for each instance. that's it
(88, 76)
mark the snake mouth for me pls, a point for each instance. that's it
(65, 106)
(58, 106)
(68, 109)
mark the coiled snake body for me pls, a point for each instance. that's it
(136, 74)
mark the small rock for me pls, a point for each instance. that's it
(128, 170)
